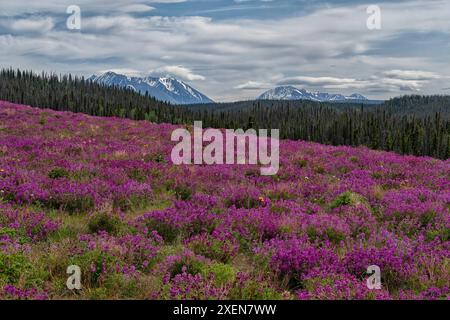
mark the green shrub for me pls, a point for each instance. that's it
(442, 234)
(133, 202)
(43, 119)
(302, 163)
(223, 273)
(346, 199)
(120, 286)
(253, 290)
(343, 170)
(193, 267)
(183, 192)
(334, 236)
(167, 231)
(104, 222)
(8, 232)
(96, 266)
(427, 219)
(137, 175)
(57, 173)
(279, 195)
(13, 267)
(78, 204)
(252, 172)
(97, 293)
(156, 157)
(319, 169)
(19, 235)
(16, 268)
(212, 248)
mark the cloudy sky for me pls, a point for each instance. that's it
(236, 49)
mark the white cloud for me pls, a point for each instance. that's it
(41, 25)
(253, 85)
(411, 75)
(388, 81)
(316, 81)
(138, 7)
(59, 6)
(124, 71)
(166, 1)
(180, 72)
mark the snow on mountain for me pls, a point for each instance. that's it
(164, 89)
(292, 93)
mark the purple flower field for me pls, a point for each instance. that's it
(102, 194)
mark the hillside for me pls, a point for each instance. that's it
(102, 194)
(415, 125)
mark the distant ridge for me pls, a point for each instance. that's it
(292, 93)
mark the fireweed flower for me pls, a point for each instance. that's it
(12, 292)
(316, 226)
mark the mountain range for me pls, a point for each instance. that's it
(292, 93)
(177, 92)
(166, 89)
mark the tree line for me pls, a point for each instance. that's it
(416, 125)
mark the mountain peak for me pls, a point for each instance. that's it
(293, 93)
(357, 96)
(166, 88)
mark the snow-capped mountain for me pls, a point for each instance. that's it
(164, 89)
(292, 93)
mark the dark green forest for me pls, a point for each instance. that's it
(417, 125)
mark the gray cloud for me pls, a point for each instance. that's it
(388, 81)
(253, 85)
(178, 71)
(411, 75)
(231, 59)
(31, 25)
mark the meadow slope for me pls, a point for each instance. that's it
(102, 194)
